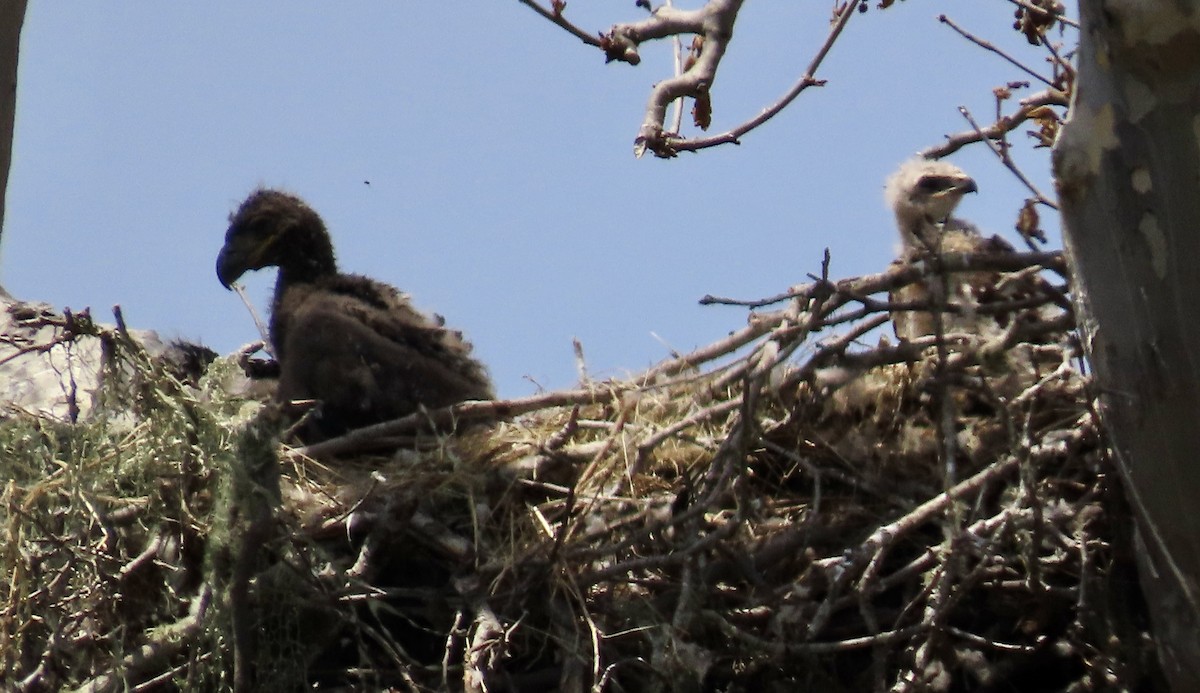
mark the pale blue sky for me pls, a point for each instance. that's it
(503, 190)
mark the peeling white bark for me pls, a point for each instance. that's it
(1128, 169)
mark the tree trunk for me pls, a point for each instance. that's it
(1128, 166)
(12, 18)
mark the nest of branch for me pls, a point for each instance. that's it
(788, 509)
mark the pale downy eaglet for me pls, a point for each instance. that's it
(923, 195)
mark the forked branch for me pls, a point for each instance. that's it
(712, 25)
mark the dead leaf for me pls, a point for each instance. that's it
(1048, 124)
(702, 111)
(1027, 222)
(694, 52)
(1035, 19)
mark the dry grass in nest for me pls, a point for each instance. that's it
(772, 512)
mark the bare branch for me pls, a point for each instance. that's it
(258, 321)
(901, 274)
(557, 18)
(713, 27)
(1029, 6)
(1029, 107)
(1008, 162)
(713, 23)
(808, 79)
(987, 45)
(622, 40)
(151, 656)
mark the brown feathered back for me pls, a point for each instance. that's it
(362, 350)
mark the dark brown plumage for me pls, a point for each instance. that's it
(354, 344)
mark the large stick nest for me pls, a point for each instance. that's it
(787, 509)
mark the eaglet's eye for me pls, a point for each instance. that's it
(934, 183)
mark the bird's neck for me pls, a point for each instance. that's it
(916, 231)
(306, 271)
(296, 276)
(306, 260)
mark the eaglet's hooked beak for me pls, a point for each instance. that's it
(230, 265)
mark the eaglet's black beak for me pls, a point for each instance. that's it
(230, 265)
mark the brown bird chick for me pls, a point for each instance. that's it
(923, 195)
(354, 344)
